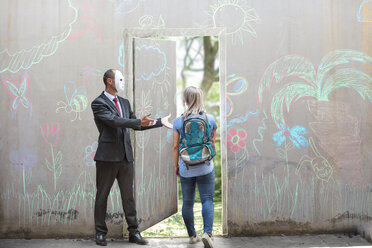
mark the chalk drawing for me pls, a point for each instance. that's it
(244, 18)
(25, 58)
(160, 112)
(269, 197)
(242, 119)
(24, 160)
(50, 134)
(260, 130)
(294, 134)
(320, 165)
(338, 132)
(90, 73)
(155, 55)
(147, 21)
(365, 11)
(90, 152)
(86, 21)
(296, 138)
(154, 179)
(40, 207)
(120, 57)
(301, 80)
(236, 85)
(229, 106)
(236, 139)
(125, 7)
(76, 100)
(18, 90)
(149, 192)
(156, 175)
(161, 85)
(145, 103)
(143, 107)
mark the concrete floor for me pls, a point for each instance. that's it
(309, 241)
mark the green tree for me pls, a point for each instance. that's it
(201, 56)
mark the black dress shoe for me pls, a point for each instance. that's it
(101, 240)
(137, 238)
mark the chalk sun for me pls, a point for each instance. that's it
(236, 16)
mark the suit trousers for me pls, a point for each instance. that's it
(106, 172)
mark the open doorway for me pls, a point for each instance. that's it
(156, 76)
(197, 65)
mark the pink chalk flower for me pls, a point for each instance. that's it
(50, 133)
(236, 139)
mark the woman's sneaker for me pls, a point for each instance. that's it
(207, 241)
(194, 239)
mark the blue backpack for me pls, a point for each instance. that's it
(196, 145)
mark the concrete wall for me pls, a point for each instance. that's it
(298, 106)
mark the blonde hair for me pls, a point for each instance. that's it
(193, 97)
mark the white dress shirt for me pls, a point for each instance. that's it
(111, 97)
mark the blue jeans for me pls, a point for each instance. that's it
(206, 191)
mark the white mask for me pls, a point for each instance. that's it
(119, 81)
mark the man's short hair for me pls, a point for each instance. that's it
(108, 74)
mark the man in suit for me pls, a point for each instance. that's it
(114, 157)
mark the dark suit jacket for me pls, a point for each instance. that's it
(114, 137)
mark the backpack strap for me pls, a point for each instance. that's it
(205, 117)
(182, 131)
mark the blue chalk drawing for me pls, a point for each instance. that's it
(158, 58)
(127, 6)
(366, 4)
(18, 90)
(242, 119)
(120, 57)
(90, 152)
(294, 134)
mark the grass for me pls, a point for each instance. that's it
(175, 227)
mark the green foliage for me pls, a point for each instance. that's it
(212, 105)
(175, 227)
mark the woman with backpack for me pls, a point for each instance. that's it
(194, 133)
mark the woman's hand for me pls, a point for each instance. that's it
(166, 123)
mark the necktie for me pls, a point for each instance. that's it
(117, 105)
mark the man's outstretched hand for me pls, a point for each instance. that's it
(146, 121)
(166, 123)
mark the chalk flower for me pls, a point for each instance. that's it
(50, 133)
(294, 134)
(23, 159)
(236, 139)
